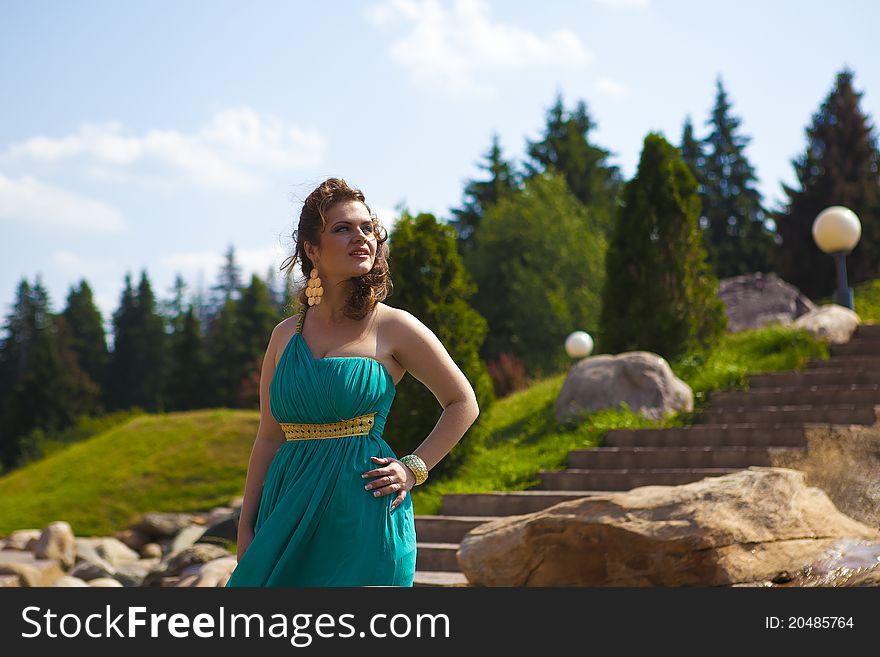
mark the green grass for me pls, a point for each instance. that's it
(866, 301)
(193, 461)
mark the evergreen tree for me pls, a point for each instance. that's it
(693, 156)
(229, 280)
(117, 394)
(175, 308)
(40, 379)
(431, 283)
(659, 295)
(566, 148)
(257, 318)
(223, 341)
(735, 237)
(138, 364)
(538, 263)
(839, 167)
(189, 375)
(88, 340)
(480, 195)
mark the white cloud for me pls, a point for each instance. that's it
(27, 201)
(76, 266)
(450, 46)
(611, 88)
(624, 4)
(232, 151)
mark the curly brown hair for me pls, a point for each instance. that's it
(367, 290)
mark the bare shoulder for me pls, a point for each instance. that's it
(418, 349)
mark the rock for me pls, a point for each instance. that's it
(92, 567)
(133, 538)
(832, 323)
(151, 550)
(174, 565)
(843, 460)
(10, 581)
(755, 300)
(30, 570)
(133, 573)
(211, 574)
(185, 538)
(104, 581)
(236, 502)
(23, 539)
(157, 524)
(57, 542)
(642, 379)
(219, 514)
(847, 562)
(108, 548)
(68, 581)
(747, 526)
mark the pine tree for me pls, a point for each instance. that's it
(257, 317)
(432, 283)
(138, 363)
(41, 382)
(839, 167)
(88, 340)
(566, 148)
(223, 352)
(693, 156)
(480, 195)
(188, 374)
(659, 294)
(735, 237)
(228, 284)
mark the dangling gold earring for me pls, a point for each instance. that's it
(314, 291)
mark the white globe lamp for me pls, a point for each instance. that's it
(578, 344)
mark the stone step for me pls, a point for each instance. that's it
(436, 556)
(868, 393)
(439, 578)
(446, 529)
(709, 435)
(620, 480)
(507, 503)
(607, 458)
(856, 346)
(831, 413)
(812, 377)
(870, 330)
(854, 363)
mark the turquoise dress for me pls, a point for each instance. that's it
(316, 525)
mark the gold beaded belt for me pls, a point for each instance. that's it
(356, 426)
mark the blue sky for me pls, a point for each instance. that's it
(157, 134)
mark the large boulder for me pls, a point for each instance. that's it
(743, 527)
(755, 300)
(832, 323)
(642, 379)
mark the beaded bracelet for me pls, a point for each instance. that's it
(418, 467)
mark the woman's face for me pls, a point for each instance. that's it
(349, 230)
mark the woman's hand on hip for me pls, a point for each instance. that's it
(391, 477)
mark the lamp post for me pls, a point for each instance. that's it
(836, 230)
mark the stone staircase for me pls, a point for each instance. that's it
(736, 430)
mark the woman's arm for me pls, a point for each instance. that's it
(424, 356)
(269, 438)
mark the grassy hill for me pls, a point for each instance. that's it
(188, 461)
(192, 461)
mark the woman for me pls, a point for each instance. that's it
(326, 499)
